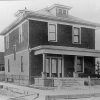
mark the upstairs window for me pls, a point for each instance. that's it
(7, 41)
(76, 35)
(52, 32)
(20, 34)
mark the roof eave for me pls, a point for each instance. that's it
(30, 15)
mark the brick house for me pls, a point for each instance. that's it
(49, 44)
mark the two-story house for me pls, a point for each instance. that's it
(49, 44)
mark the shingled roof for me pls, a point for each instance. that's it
(46, 14)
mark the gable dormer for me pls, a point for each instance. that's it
(59, 10)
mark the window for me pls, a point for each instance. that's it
(76, 35)
(54, 67)
(22, 70)
(2, 67)
(52, 33)
(48, 67)
(80, 64)
(60, 11)
(7, 41)
(14, 48)
(20, 34)
(8, 66)
(64, 12)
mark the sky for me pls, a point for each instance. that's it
(85, 9)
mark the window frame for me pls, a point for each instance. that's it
(60, 11)
(79, 35)
(20, 34)
(7, 41)
(65, 12)
(51, 40)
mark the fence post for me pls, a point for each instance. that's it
(19, 79)
(89, 80)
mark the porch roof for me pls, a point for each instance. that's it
(50, 49)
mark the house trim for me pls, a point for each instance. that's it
(47, 17)
(60, 22)
(65, 50)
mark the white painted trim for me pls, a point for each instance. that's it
(28, 33)
(67, 52)
(50, 69)
(16, 53)
(83, 64)
(52, 47)
(60, 22)
(52, 23)
(63, 66)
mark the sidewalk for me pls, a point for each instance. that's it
(29, 93)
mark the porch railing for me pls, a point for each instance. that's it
(38, 81)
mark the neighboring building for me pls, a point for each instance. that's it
(2, 68)
(49, 44)
(2, 62)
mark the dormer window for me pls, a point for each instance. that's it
(61, 12)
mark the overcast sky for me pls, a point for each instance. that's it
(86, 9)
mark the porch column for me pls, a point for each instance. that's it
(50, 69)
(44, 66)
(62, 66)
(75, 74)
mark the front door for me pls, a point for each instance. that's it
(54, 67)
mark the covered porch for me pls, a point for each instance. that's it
(66, 62)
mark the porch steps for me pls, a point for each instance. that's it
(69, 82)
